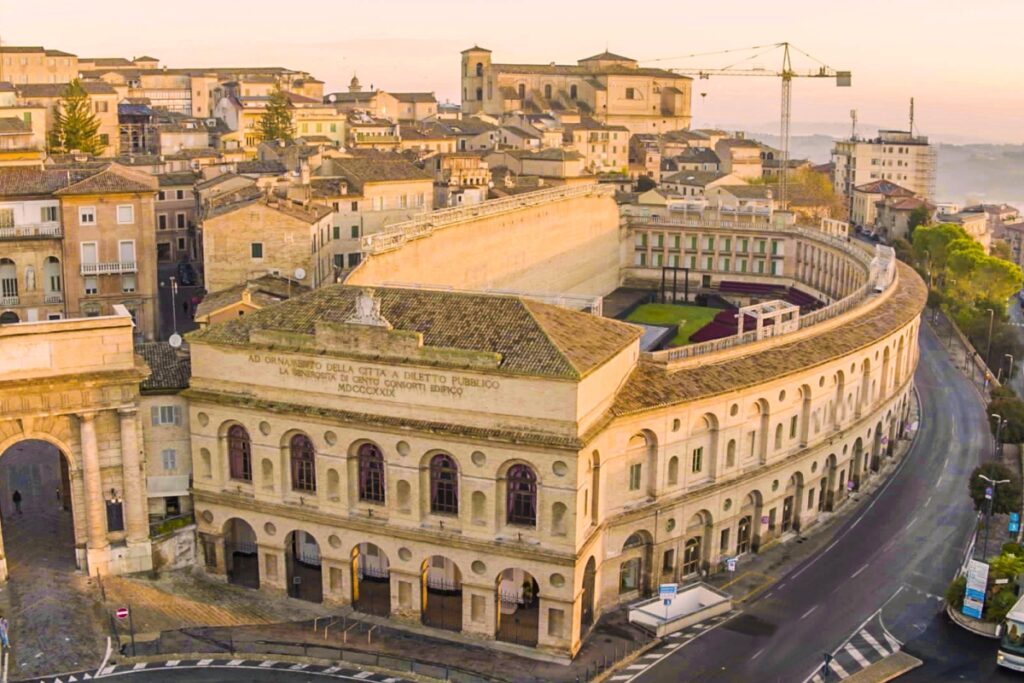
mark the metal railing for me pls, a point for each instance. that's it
(29, 230)
(53, 298)
(9, 300)
(109, 268)
(398, 234)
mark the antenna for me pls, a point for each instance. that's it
(853, 124)
(911, 116)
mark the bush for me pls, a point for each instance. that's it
(1011, 548)
(955, 593)
(998, 604)
(1005, 391)
(1012, 411)
(1007, 496)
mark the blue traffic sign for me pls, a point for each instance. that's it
(988, 493)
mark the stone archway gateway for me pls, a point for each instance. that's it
(73, 386)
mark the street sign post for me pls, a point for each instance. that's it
(974, 595)
(121, 613)
(667, 592)
(730, 564)
(988, 493)
(1014, 526)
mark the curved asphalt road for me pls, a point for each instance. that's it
(900, 551)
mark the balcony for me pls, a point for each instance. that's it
(53, 298)
(109, 268)
(30, 231)
(8, 301)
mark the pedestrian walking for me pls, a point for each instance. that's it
(17, 501)
(184, 305)
(4, 642)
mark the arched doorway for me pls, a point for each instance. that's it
(241, 557)
(371, 580)
(518, 613)
(858, 463)
(302, 567)
(876, 448)
(587, 599)
(830, 483)
(39, 531)
(441, 593)
(792, 503)
(697, 545)
(9, 317)
(748, 533)
(636, 566)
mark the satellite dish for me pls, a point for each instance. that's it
(332, 98)
(175, 341)
(300, 273)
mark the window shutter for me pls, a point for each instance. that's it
(155, 414)
(177, 415)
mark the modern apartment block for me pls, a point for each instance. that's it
(897, 155)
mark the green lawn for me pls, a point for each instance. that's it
(689, 318)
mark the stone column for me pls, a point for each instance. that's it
(137, 522)
(96, 512)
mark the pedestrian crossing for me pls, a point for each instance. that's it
(338, 672)
(872, 643)
(668, 645)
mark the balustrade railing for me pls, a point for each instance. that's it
(109, 268)
(28, 230)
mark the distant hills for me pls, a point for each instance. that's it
(968, 173)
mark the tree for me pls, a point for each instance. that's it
(1001, 250)
(1007, 496)
(643, 183)
(904, 250)
(276, 122)
(75, 126)
(1012, 411)
(919, 216)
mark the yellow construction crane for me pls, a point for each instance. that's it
(787, 73)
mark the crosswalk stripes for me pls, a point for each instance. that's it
(323, 669)
(870, 644)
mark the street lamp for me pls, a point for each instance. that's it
(174, 305)
(994, 483)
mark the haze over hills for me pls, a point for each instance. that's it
(967, 173)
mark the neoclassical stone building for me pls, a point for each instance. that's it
(509, 469)
(73, 385)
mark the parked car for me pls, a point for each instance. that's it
(186, 274)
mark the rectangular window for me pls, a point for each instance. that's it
(708, 263)
(48, 214)
(355, 206)
(128, 283)
(125, 214)
(353, 259)
(698, 460)
(169, 459)
(179, 220)
(91, 285)
(337, 232)
(723, 265)
(115, 516)
(87, 215)
(640, 259)
(630, 93)
(161, 195)
(668, 561)
(691, 242)
(180, 194)
(161, 221)
(256, 250)
(339, 260)
(181, 244)
(792, 427)
(726, 244)
(355, 232)
(634, 476)
(126, 251)
(165, 415)
(723, 542)
(742, 246)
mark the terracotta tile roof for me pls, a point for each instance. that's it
(264, 291)
(112, 179)
(747, 191)
(29, 181)
(57, 89)
(170, 370)
(414, 97)
(532, 338)
(884, 187)
(608, 56)
(178, 179)
(369, 169)
(651, 386)
(695, 178)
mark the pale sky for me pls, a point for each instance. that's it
(961, 61)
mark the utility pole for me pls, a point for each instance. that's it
(992, 488)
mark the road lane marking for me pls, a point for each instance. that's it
(636, 667)
(139, 667)
(926, 501)
(911, 522)
(757, 654)
(859, 571)
(236, 662)
(838, 668)
(204, 662)
(857, 656)
(267, 664)
(172, 662)
(870, 639)
(808, 612)
(893, 643)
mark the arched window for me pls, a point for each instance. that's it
(444, 485)
(303, 463)
(673, 470)
(573, 92)
(239, 453)
(479, 69)
(778, 436)
(51, 274)
(522, 496)
(8, 278)
(371, 473)
(547, 92)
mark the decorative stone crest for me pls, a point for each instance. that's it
(367, 310)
